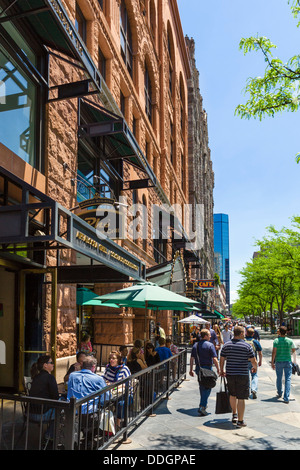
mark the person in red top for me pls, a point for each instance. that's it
(86, 345)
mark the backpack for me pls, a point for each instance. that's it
(251, 342)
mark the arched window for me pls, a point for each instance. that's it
(171, 63)
(80, 23)
(125, 37)
(145, 228)
(148, 94)
(153, 20)
(182, 104)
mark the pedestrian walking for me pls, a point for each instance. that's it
(227, 334)
(159, 333)
(204, 354)
(283, 349)
(256, 346)
(236, 354)
(213, 335)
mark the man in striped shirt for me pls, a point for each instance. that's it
(237, 354)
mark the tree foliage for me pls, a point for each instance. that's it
(279, 89)
(272, 278)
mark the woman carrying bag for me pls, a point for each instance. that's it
(204, 354)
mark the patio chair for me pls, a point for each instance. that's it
(43, 421)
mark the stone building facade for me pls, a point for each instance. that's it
(200, 173)
(101, 90)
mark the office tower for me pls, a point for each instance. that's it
(221, 249)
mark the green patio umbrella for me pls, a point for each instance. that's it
(148, 296)
(85, 296)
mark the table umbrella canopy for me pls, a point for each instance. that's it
(86, 296)
(148, 295)
(83, 295)
(194, 319)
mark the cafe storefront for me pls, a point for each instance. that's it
(31, 293)
(46, 250)
(61, 130)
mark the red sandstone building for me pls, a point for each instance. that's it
(94, 112)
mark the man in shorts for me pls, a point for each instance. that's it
(237, 354)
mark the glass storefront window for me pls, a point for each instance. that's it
(17, 109)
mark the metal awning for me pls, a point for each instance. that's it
(50, 22)
(114, 127)
(213, 315)
(36, 222)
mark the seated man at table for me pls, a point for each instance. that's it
(80, 357)
(86, 382)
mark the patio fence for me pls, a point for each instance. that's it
(93, 422)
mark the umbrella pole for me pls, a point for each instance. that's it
(145, 328)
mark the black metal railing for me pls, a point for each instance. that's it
(93, 422)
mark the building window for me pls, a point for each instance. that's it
(134, 126)
(125, 38)
(101, 3)
(148, 95)
(122, 103)
(80, 23)
(170, 65)
(101, 64)
(172, 152)
(182, 171)
(18, 110)
(144, 229)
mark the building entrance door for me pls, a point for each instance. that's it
(7, 327)
(38, 305)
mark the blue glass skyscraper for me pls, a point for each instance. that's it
(221, 250)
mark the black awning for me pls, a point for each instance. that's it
(114, 127)
(89, 274)
(50, 23)
(43, 224)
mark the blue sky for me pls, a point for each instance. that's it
(256, 176)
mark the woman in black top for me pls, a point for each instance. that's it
(151, 356)
(43, 385)
(136, 361)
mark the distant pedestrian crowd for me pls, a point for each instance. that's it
(236, 353)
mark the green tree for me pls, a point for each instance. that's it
(279, 89)
(273, 277)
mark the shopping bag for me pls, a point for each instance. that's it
(107, 422)
(222, 400)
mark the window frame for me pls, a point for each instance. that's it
(38, 70)
(148, 94)
(126, 34)
(81, 24)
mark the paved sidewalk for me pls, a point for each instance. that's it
(271, 424)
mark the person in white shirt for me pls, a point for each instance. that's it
(227, 333)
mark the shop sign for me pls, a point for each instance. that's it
(205, 284)
(105, 251)
(100, 213)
